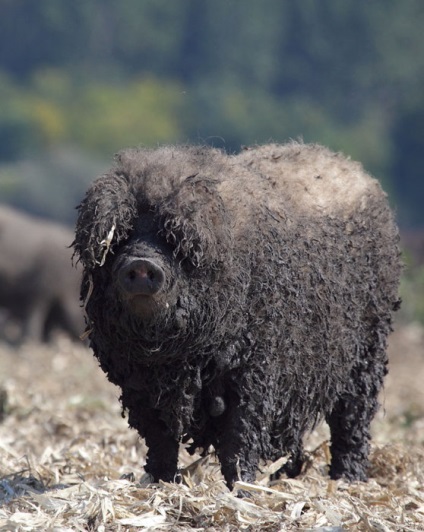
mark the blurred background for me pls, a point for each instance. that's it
(79, 80)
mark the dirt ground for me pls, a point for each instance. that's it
(68, 461)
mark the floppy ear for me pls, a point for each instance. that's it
(106, 216)
(194, 221)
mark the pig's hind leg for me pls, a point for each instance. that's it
(353, 412)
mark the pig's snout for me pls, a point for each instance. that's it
(141, 277)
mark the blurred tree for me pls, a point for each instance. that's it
(18, 131)
(408, 164)
(100, 74)
(105, 118)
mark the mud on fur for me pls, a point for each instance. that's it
(242, 299)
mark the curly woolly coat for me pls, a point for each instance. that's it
(279, 269)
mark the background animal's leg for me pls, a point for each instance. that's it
(352, 415)
(162, 456)
(33, 325)
(73, 320)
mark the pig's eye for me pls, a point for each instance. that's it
(143, 206)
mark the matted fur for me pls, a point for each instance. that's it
(282, 268)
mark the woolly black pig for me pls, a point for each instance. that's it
(38, 285)
(237, 300)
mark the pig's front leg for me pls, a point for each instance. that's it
(238, 445)
(162, 455)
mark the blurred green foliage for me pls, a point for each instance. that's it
(80, 80)
(99, 117)
(412, 295)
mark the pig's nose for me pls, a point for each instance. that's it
(141, 277)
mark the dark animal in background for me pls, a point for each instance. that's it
(39, 287)
(239, 299)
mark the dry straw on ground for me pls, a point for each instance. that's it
(69, 462)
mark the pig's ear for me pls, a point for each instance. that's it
(195, 223)
(106, 216)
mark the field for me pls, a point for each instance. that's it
(68, 461)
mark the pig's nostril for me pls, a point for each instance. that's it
(141, 276)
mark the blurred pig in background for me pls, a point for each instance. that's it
(39, 286)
